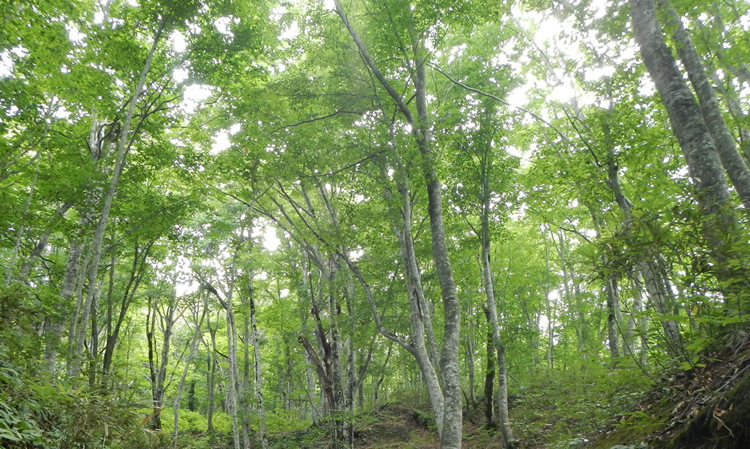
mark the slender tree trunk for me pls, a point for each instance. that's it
(470, 350)
(158, 366)
(489, 291)
(123, 145)
(258, 371)
(211, 380)
(379, 382)
(613, 304)
(67, 290)
(137, 272)
(451, 433)
(193, 347)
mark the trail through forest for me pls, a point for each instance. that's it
(374, 223)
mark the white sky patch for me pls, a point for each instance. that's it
(563, 93)
(357, 254)
(222, 25)
(456, 52)
(647, 87)
(75, 35)
(194, 95)
(177, 41)
(267, 233)
(61, 113)
(599, 7)
(290, 33)
(221, 142)
(180, 74)
(520, 95)
(597, 73)
(6, 64)
(186, 285)
(234, 129)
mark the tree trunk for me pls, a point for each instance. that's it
(258, 372)
(137, 271)
(489, 290)
(193, 347)
(158, 366)
(489, 377)
(703, 162)
(725, 145)
(123, 145)
(613, 304)
(67, 290)
(451, 433)
(211, 378)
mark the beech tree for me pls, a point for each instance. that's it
(253, 223)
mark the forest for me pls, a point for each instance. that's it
(374, 224)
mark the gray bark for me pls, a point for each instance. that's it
(123, 145)
(503, 420)
(694, 138)
(181, 387)
(67, 290)
(158, 365)
(136, 274)
(449, 368)
(417, 345)
(726, 147)
(211, 378)
(233, 388)
(258, 371)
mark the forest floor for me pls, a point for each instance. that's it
(707, 407)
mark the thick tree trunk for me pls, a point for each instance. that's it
(67, 290)
(489, 377)
(703, 162)
(453, 406)
(725, 145)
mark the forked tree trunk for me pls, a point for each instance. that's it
(181, 387)
(123, 146)
(452, 408)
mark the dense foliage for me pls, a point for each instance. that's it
(234, 220)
